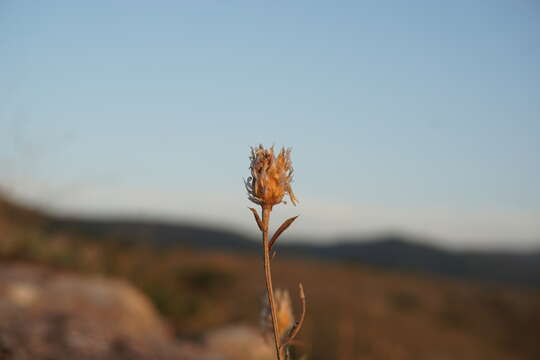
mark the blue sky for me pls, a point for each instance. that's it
(415, 116)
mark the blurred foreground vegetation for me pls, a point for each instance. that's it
(354, 312)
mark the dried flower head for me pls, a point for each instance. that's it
(271, 176)
(285, 317)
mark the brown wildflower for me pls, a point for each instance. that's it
(271, 176)
(269, 182)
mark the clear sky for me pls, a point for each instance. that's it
(414, 116)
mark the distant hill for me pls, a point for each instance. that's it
(401, 253)
(156, 233)
(391, 252)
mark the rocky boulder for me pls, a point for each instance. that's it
(46, 314)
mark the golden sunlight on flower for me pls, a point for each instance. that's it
(271, 176)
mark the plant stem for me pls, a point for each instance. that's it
(268, 276)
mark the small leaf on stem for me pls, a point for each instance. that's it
(281, 229)
(257, 218)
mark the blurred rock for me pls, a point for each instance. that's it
(240, 343)
(46, 314)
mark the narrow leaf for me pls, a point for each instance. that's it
(257, 218)
(301, 292)
(281, 229)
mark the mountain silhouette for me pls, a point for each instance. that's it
(386, 251)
